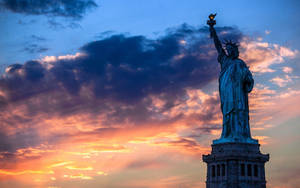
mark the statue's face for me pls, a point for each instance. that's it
(232, 51)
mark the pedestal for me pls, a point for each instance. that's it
(235, 165)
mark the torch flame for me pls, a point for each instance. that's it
(212, 16)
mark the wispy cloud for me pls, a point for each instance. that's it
(261, 56)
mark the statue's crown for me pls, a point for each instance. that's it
(230, 43)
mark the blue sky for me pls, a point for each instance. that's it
(149, 18)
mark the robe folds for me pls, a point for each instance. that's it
(235, 82)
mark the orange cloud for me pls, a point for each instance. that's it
(287, 69)
(78, 168)
(78, 176)
(16, 173)
(281, 81)
(262, 55)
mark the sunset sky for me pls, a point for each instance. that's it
(124, 94)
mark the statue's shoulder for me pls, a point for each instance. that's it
(241, 62)
(222, 57)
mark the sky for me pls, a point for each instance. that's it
(115, 94)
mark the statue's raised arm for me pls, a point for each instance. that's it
(213, 34)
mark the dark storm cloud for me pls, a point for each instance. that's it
(117, 77)
(62, 8)
(123, 69)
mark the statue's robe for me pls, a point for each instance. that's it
(235, 82)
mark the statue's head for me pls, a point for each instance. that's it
(232, 49)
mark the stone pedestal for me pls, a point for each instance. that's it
(236, 165)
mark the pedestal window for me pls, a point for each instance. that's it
(223, 169)
(213, 171)
(255, 170)
(249, 170)
(242, 169)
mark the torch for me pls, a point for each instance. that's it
(211, 22)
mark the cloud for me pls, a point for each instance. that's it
(59, 8)
(19, 139)
(281, 81)
(35, 48)
(117, 100)
(35, 45)
(78, 176)
(24, 172)
(37, 38)
(270, 108)
(116, 90)
(185, 145)
(119, 72)
(287, 69)
(115, 83)
(79, 168)
(146, 164)
(261, 56)
(57, 25)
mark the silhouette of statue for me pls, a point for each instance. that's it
(235, 82)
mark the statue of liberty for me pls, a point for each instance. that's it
(235, 82)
